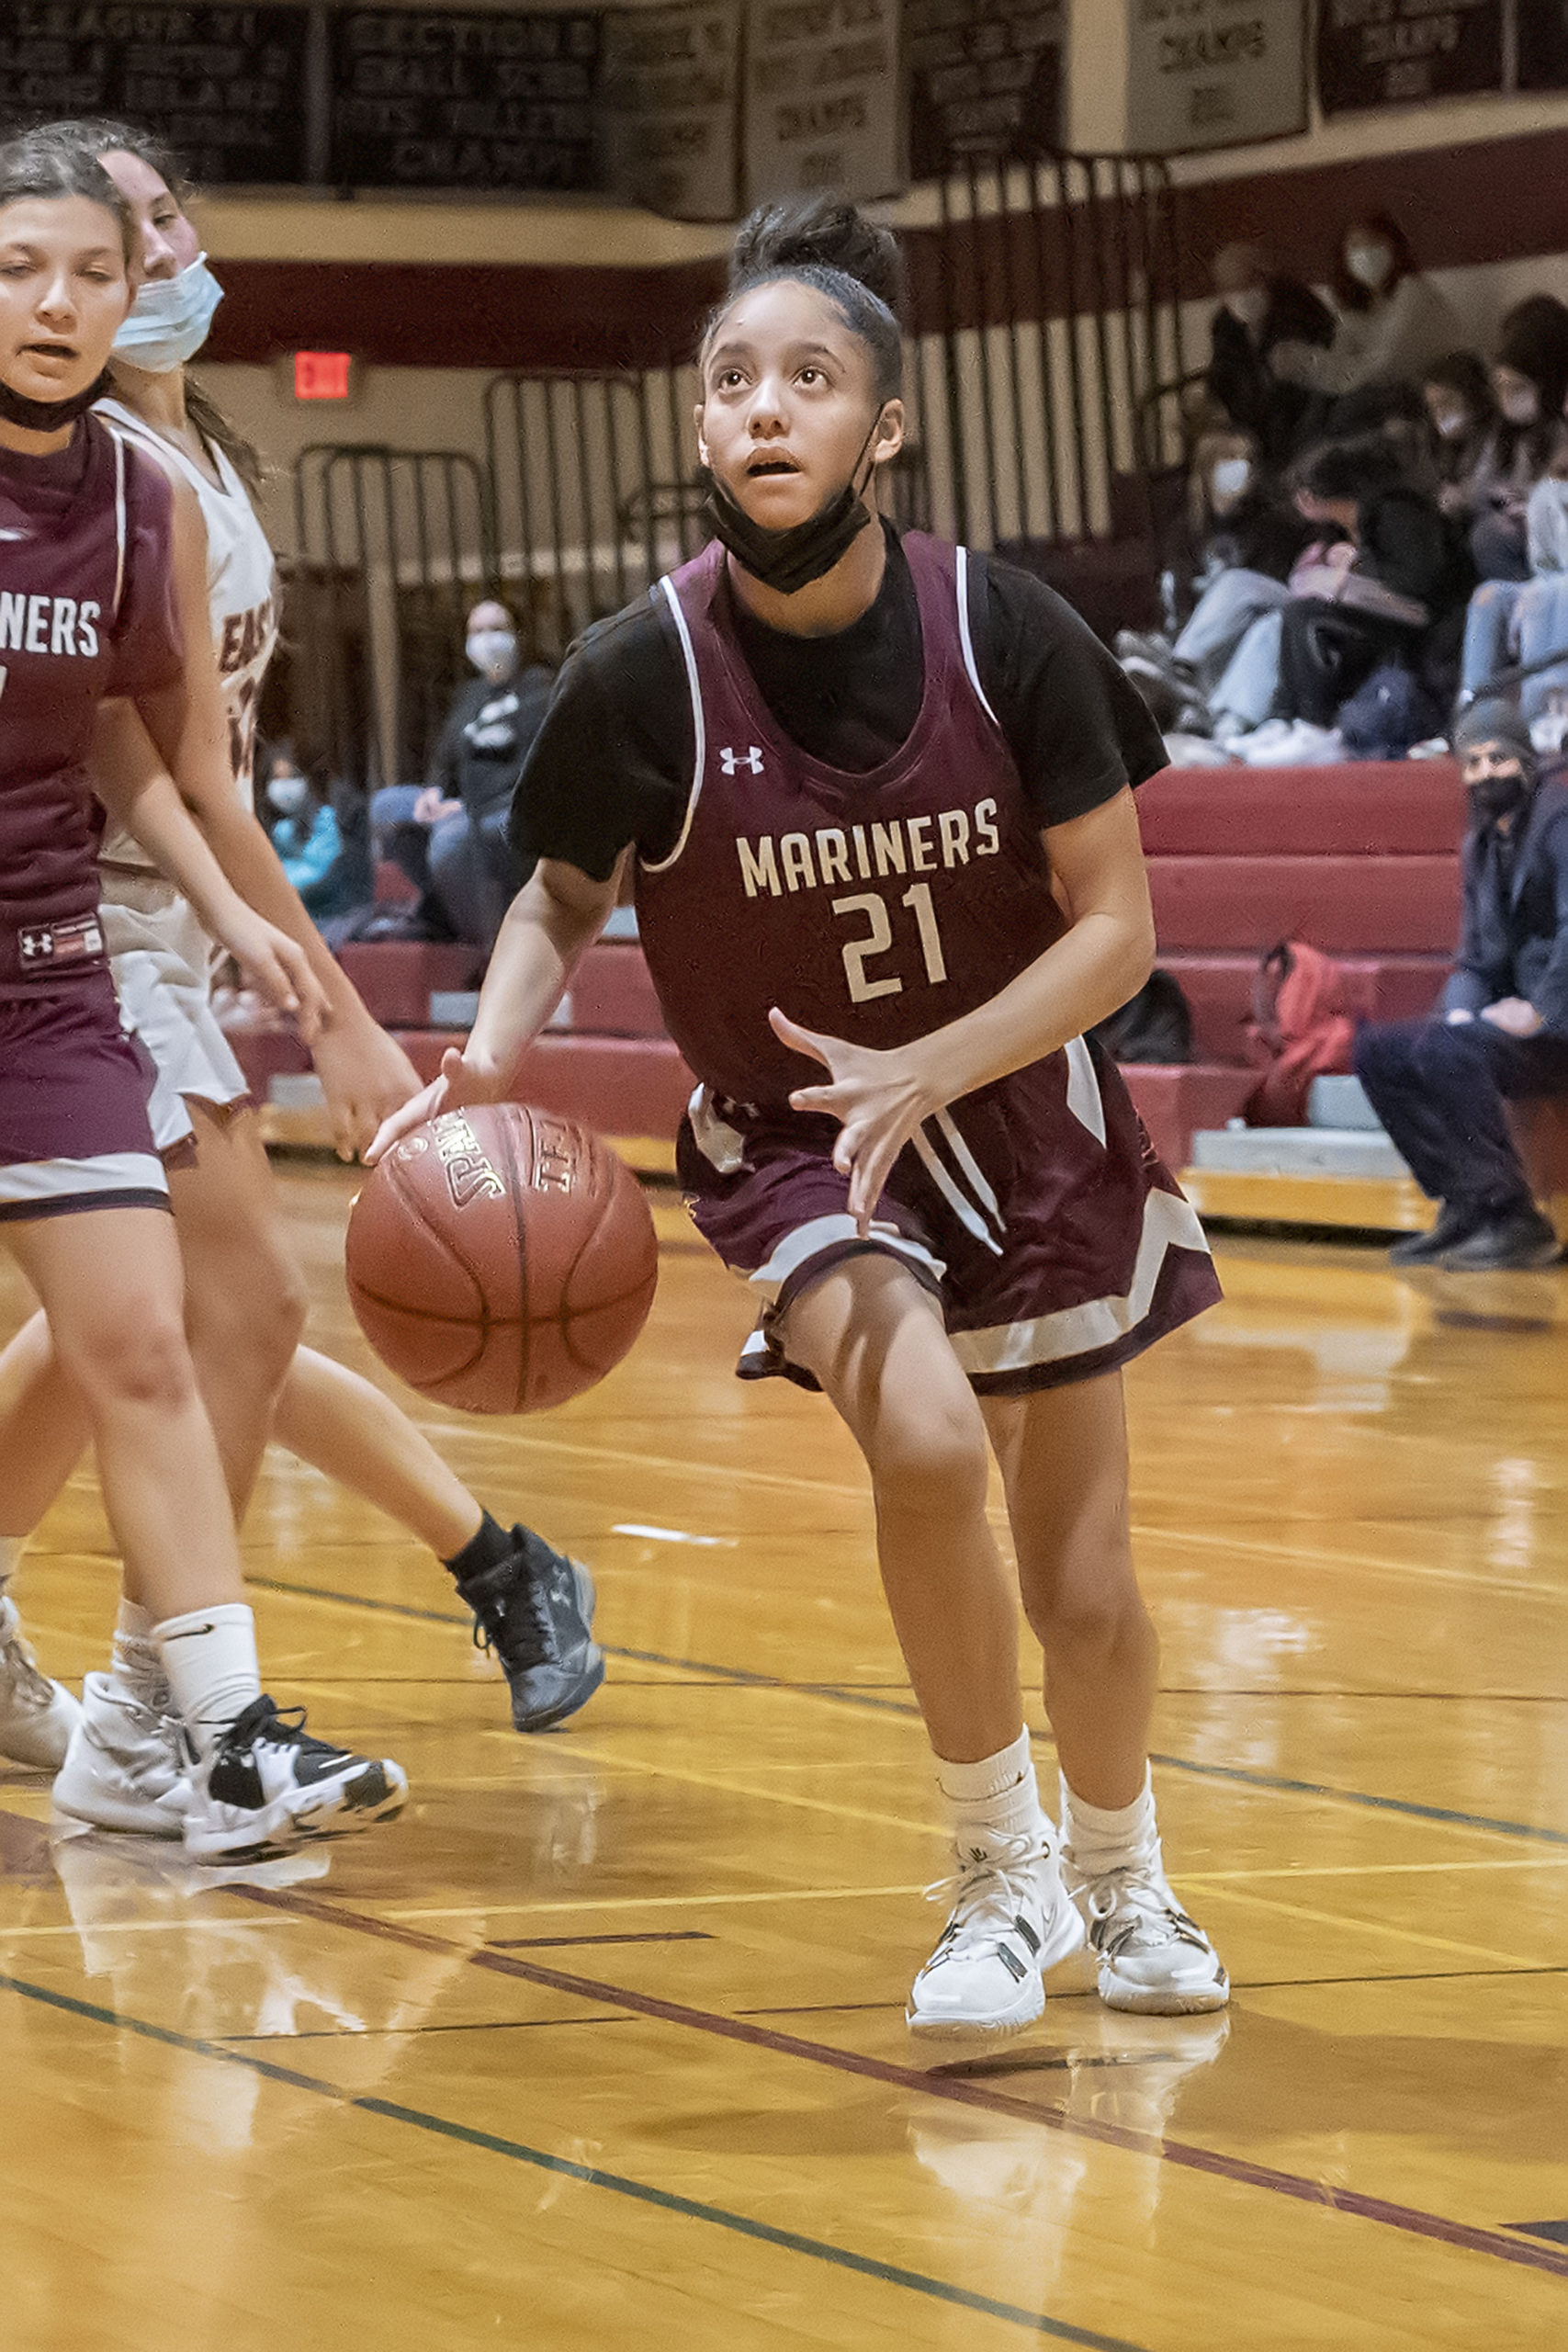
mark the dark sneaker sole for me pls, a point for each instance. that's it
(546, 1718)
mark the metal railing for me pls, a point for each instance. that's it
(1045, 340)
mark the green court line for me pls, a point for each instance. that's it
(663, 2199)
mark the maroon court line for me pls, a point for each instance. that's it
(1240, 2169)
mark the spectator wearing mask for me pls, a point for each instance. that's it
(1384, 583)
(1393, 324)
(1260, 311)
(1500, 1032)
(1461, 417)
(1529, 381)
(1251, 535)
(306, 835)
(450, 837)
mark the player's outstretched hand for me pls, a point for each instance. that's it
(879, 1099)
(449, 1091)
(364, 1075)
(277, 968)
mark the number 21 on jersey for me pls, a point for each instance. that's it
(878, 940)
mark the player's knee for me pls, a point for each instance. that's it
(135, 1353)
(1084, 1626)
(253, 1305)
(929, 1458)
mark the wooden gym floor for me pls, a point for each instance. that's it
(603, 2044)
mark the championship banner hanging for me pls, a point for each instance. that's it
(1216, 72)
(822, 97)
(1407, 52)
(669, 109)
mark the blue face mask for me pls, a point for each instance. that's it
(287, 794)
(169, 320)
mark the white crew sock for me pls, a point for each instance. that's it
(209, 1657)
(136, 1669)
(1100, 1838)
(998, 1795)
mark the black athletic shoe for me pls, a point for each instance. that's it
(1519, 1239)
(534, 1609)
(269, 1785)
(1457, 1220)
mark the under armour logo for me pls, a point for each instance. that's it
(732, 760)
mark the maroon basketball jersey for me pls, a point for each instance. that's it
(86, 612)
(875, 907)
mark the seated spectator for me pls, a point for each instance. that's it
(1385, 584)
(1500, 1032)
(306, 837)
(449, 836)
(1529, 381)
(1526, 622)
(1250, 534)
(1392, 323)
(1261, 310)
(1461, 417)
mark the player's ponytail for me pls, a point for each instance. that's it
(826, 243)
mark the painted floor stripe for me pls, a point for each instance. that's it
(663, 2199)
(746, 1679)
(1413, 2220)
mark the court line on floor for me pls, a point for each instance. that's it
(747, 1679)
(592, 2176)
(1410, 2219)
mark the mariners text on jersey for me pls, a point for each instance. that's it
(48, 625)
(776, 862)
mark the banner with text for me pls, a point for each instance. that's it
(1408, 52)
(985, 78)
(821, 105)
(669, 109)
(1215, 73)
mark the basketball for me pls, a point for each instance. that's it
(501, 1259)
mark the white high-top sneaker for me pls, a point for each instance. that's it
(1012, 1920)
(37, 1716)
(125, 1768)
(1152, 1957)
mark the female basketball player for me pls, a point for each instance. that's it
(876, 793)
(90, 542)
(244, 1295)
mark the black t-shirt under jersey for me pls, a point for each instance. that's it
(612, 763)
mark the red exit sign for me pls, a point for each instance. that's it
(322, 374)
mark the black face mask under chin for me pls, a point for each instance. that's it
(49, 416)
(789, 560)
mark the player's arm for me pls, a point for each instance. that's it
(363, 1073)
(137, 790)
(557, 915)
(1102, 958)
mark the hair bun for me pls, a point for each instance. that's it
(819, 232)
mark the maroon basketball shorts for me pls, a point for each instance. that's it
(74, 1088)
(1034, 1211)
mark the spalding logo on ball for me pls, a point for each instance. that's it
(501, 1259)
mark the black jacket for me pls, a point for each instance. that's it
(486, 739)
(1514, 935)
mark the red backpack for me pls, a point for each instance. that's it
(1299, 1018)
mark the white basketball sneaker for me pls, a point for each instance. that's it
(1152, 1958)
(1012, 1920)
(268, 1786)
(37, 1716)
(125, 1768)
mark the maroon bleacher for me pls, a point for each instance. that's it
(1361, 860)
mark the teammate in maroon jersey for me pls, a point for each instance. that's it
(89, 556)
(877, 796)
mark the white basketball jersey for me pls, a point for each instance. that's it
(242, 580)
